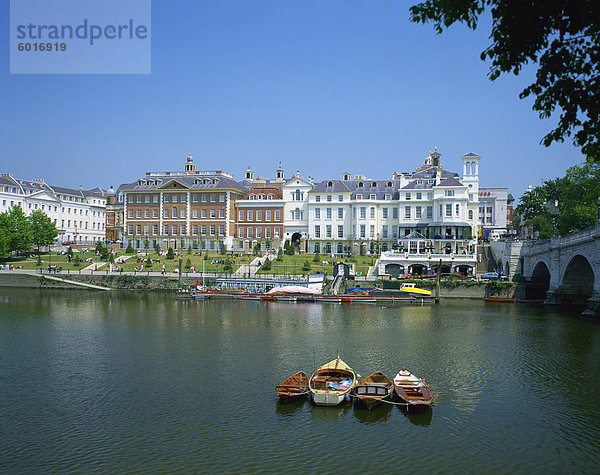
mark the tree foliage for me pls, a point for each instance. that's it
(43, 229)
(563, 38)
(570, 202)
(15, 231)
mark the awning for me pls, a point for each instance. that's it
(449, 224)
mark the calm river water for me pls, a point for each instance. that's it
(136, 382)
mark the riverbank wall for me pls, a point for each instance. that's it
(458, 290)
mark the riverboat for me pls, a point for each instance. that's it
(412, 289)
(328, 299)
(532, 301)
(500, 300)
(374, 389)
(200, 296)
(293, 387)
(247, 296)
(413, 391)
(331, 383)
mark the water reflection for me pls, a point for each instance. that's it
(418, 417)
(289, 408)
(379, 413)
(330, 413)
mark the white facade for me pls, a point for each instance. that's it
(79, 215)
(493, 209)
(295, 196)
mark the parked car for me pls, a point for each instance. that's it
(494, 276)
(67, 243)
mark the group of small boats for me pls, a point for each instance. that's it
(408, 293)
(335, 382)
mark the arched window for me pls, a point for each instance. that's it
(329, 183)
(361, 184)
(297, 214)
(374, 184)
(298, 195)
(470, 214)
(389, 184)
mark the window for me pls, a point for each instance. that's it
(297, 214)
(361, 184)
(268, 215)
(221, 198)
(419, 196)
(457, 211)
(329, 198)
(359, 196)
(166, 229)
(204, 198)
(328, 213)
(195, 229)
(384, 232)
(155, 213)
(165, 213)
(204, 213)
(372, 197)
(329, 183)
(139, 200)
(317, 231)
(470, 214)
(448, 210)
(240, 232)
(268, 232)
(407, 212)
(221, 212)
(489, 210)
(258, 215)
(166, 199)
(395, 213)
(384, 213)
(130, 213)
(174, 227)
(213, 213)
(340, 213)
(317, 213)
(362, 231)
(277, 215)
(203, 229)
(250, 217)
(340, 197)
(418, 212)
(155, 229)
(213, 198)
(373, 184)
(195, 213)
(449, 193)
(130, 229)
(298, 195)
(430, 212)
(328, 231)
(212, 229)
(183, 230)
(340, 233)
(174, 212)
(195, 199)
(407, 196)
(318, 198)
(429, 195)
(387, 197)
(372, 212)
(146, 213)
(363, 212)
(221, 230)
(372, 231)
(241, 215)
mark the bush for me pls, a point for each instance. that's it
(291, 250)
(188, 264)
(170, 254)
(317, 258)
(266, 266)
(279, 256)
(129, 249)
(306, 266)
(223, 250)
(190, 249)
(257, 250)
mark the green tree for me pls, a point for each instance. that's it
(129, 249)
(306, 266)
(15, 231)
(256, 250)
(170, 253)
(43, 230)
(188, 264)
(266, 265)
(563, 38)
(190, 249)
(317, 257)
(146, 244)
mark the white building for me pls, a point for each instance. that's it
(295, 196)
(79, 215)
(495, 210)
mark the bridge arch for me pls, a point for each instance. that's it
(540, 282)
(578, 279)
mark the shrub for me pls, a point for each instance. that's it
(170, 253)
(77, 261)
(306, 266)
(317, 258)
(129, 249)
(190, 249)
(257, 250)
(267, 265)
(188, 264)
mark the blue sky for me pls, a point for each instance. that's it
(323, 87)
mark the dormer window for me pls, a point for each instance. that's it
(361, 184)
(374, 184)
(329, 183)
(389, 184)
(359, 196)
(372, 197)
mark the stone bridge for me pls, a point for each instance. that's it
(560, 270)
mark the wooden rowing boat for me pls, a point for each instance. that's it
(331, 383)
(415, 392)
(373, 389)
(293, 387)
(500, 300)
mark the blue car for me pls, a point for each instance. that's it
(493, 276)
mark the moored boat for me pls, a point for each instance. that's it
(246, 296)
(500, 300)
(373, 389)
(412, 289)
(293, 387)
(414, 391)
(331, 383)
(200, 296)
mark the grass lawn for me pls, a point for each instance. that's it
(215, 262)
(294, 264)
(30, 263)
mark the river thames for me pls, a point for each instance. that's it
(145, 383)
